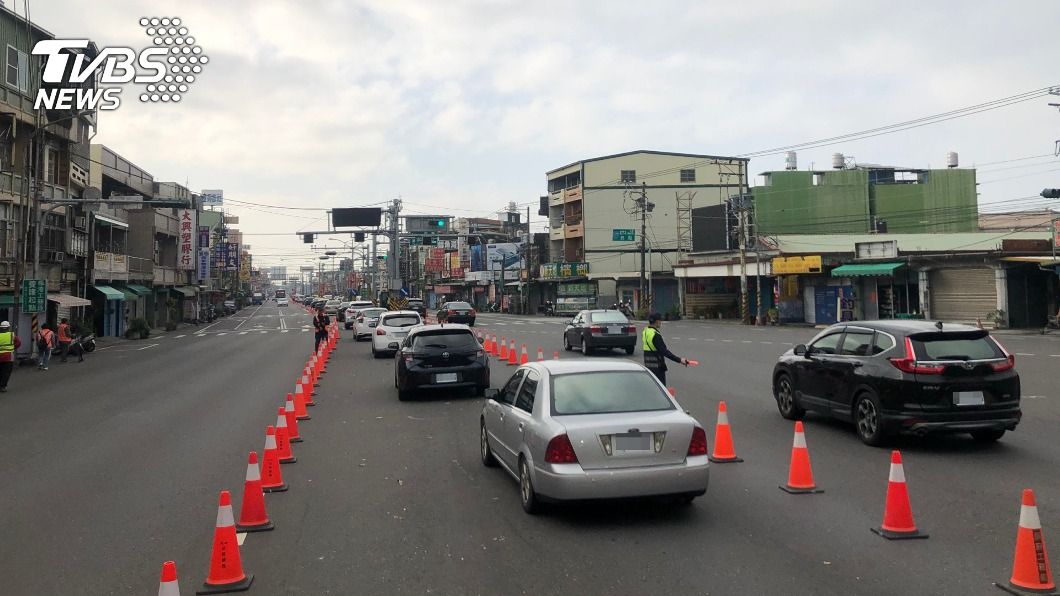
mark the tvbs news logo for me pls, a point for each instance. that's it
(165, 70)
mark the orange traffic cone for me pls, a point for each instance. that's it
(252, 515)
(493, 344)
(673, 393)
(292, 420)
(504, 348)
(486, 345)
(511, 354)
(168, 585)
(540, 354)
(299, 403)
(283, 439)
(897, 514)
(226, 568)
(307, 386)
(723, 448)
(555, 355)
(523, 356)
(800, 476)
(1030, 566)
(271, 475)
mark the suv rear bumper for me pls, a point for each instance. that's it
(953, 422)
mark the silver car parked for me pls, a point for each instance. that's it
(580, 429)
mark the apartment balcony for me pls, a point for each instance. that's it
(556, 233)
(573, 194)
(108, 265)
(556, 199)
(166, 224)
(11, 184)
(165, 276)
(141, 269)
(574, 230)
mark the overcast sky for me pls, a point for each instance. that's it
(462, 106)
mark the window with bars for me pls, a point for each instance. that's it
(688, 175)
(628, 176)
(17, 71)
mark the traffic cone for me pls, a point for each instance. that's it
(283, 439)
(1030, 566)
(226, 568)
(504, 348)
(897, 514)
(271, 475)
(292, 420)
(486, 345)
(307, 388)
(523, 356)
(252, 515)
(800, 476)
(723, 448)
(540, 354)
(511, 354)
(168, 585)
(555, 355)
(299, 403)
(493, 344)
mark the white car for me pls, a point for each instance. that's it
(353, 309)
(281, 302)
(364, 321)
(391, 330)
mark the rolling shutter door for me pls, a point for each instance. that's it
(963, 295)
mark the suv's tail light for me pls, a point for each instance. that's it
(596, 329)
(473, 313)
(560, 451)
(1010, 359)
(698, 444)
(908, 364)
(380, 331)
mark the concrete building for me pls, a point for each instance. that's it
(594, 224)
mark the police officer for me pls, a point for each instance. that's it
(654, 347)
(8, 344)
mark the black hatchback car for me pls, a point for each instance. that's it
(600, 329)
(890, 377)
(440, 357)
(459, 312)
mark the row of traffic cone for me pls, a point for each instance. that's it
(226, 568)
(501, 349)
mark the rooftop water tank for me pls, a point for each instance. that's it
(951, 159)
(790, 162)
(838, 161)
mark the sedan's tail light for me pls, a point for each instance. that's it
(698, 444)
(596, 329)
(380, 332)
(452, 312)
(631, 329)
(473, 313)
(908, 364)
(560, 451)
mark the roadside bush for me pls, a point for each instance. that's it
(138, 329)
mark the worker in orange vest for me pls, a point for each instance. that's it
(64, 339)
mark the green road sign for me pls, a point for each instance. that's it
(34, 295)
(623, 235)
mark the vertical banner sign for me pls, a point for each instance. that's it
(186, 246)
(204, 264)
(231, 256)
(204, 236)
(244, 267)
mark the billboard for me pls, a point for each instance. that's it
(212, 197)
(508, 253)
(354, 217)
(204, 263)
(186, 243)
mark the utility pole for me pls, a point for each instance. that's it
(643, 207)
(528, 256)
(394, 280)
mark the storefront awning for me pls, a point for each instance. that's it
(109, 293)
(138, 289)
(110, 220)
(187, 291)
(866, 269)
(68, 301)
(129, 294)
(7, 300)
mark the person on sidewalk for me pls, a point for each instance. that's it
(45, 345)
(655, 350)
(8, 344)
(64, 339)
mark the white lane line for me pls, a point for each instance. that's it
(746, 341)
(285, 330)
(264, 332)
(248, 318)
(220, 333)
(1023, 354)
(693, 338)
(180, 336)
(243, 332)
(1054, 355)
(200, 335)
(728, 341)
(768, 343)
(676, 338)
(304, 329)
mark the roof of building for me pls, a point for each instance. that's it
(649, 152)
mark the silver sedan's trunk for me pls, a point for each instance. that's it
(628, 440)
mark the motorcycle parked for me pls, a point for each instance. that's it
(85, 343)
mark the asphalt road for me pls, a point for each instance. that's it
(113, 466)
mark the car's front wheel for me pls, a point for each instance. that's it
(527, 495)
(586, 350)
(566, 343)
(784, 391)
(988, 436)
(867, 421)
(484, 447)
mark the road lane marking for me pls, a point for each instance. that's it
(746, 341)
(284, 330)
(768, 343)
(1054, 355)
(263, 332)
(243, 332)
(220, 333)
(180, 336)
(728, 341)
(676, 338)
(200, 335)
(1023, 354)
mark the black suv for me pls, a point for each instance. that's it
(417, 305)
(440, 357)
(890, 377)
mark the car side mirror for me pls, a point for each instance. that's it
(493, 394)
(801, 350)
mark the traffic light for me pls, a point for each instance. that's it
(358, 236)
(440, 223)
(1051, 193)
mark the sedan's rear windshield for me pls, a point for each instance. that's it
(445, 341)
(401, 321)
(458, 305)
(608, 392)
(333, 303)
(975, 345)
(608, 317)
(372, 313)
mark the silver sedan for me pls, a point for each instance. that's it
(581, 429)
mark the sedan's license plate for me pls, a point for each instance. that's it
(445, 378)
(400, 333)
(968, 398)
(633, 442)
(614, 330)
